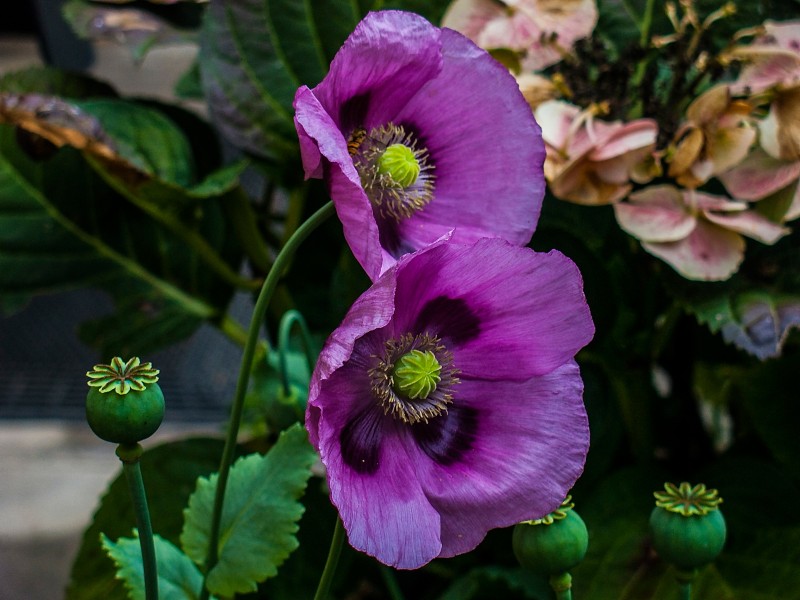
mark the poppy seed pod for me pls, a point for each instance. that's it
(687, 526)
(124, 404)
(554, 544)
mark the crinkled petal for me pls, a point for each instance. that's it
(485, 145)
(372, 311)
(759, 175)
(505, 312)
(655, 214)
(528, 450)
(372, 479)
(316, 129)
(709, 253)
(386, 60)
(749, 223)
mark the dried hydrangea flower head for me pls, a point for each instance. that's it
(448, 402)
(591, 161)
(419, 133)
(540, 31)
(716, 136)
(698, 234)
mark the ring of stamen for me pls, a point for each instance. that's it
(394, 193)
(415, 404)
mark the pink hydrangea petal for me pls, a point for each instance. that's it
(749, 223)
(555, 118)
(544, 421)
(709, 253)
(628, 137)
(708, 202)
(470, 17)
(483, 294)
(655, 214)
(759, 175)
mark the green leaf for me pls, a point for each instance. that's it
(170, 472)
(259, 517)
(178, 577)
(770, 399)
(756, 321)
(54, 82)
(153, 253)
(146, 138)
(254, 54)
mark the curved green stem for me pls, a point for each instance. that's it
(685, 591)
(325, 581)
(129, 455)
(262, 303)
(395, 593)
(646, 24)
(288, 320)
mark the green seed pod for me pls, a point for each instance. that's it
(554, 544)
(687, 526)
(124, 404)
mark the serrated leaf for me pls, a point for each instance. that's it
(254, 55)
(259, 517)
(169, 471)
(756, 322)
(178, 577)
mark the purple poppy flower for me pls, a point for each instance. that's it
(449, 403)
(419, 132)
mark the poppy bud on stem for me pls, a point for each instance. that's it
(552, 546)
(688, 530)
(125, 405)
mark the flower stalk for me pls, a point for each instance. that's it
(280, 265)
(326, 579)
(129, 454)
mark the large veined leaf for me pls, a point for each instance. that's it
(259, 517)
(254, 54)
(169, 472)
(178, 577)
(66, 221)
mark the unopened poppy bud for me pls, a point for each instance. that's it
(687, 526)
(124, 404)
(553, 544)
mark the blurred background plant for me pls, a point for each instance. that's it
(673, 133)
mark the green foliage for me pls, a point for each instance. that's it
(170, 472)
(259, 518)
(178, 577)
(255, 54)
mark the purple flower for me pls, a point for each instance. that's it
(448, 402)
(417, 132)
